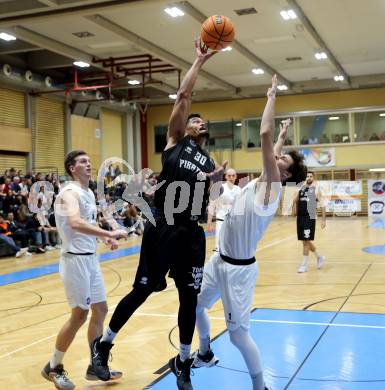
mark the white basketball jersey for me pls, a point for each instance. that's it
(74, 241)
(245, 224)
(224, 202)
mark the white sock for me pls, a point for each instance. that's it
(56, 358)
(184, 351)
(305, 259)
(242, 340)
(108, 335)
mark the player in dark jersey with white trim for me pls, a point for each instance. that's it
(305, 207)
(177, 242)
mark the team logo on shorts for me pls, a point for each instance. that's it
(144, 280)
(306, 233)
(88, 300)
(197, 274)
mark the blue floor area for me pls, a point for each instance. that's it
(37, 272)
(376, 250)
(378, 224)
(298, 354)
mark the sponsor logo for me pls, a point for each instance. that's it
(377, 207)
(188, 150)
(378, 187)
(88, 300)
(144, 280)
(197, 274)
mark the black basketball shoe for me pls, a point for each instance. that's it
(182, 372)
(100, 351)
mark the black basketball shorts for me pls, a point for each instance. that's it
(305, 228)
(180, 249)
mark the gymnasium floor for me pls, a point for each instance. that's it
(321, 330)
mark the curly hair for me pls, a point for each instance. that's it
(298, 169)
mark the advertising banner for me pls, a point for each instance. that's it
(376, 198)
(319, 158)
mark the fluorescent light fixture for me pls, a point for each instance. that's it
(81, 64)
(239, 124)
(288, 14)
(228, 48)
(339, 78)
(174, 12)
(133, 82)
(258, 71)
(334, 118)
(282, 87)
(382, 114)
(377, 170)
(320, 55)
(172, 96)
(7, 37)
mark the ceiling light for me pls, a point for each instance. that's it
(172, 96)
(382, 114)
(133, 82)
(239, 124)
(377, 170)
(7, 37)
(282, 87)
(174, 12)
(81, 64)
(228, 48)
(258, 71)
(339, 78)
(321, 55)
(288, 14)
(334, 118)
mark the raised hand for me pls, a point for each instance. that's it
(202, 50)
(284, 126)
(273, 89)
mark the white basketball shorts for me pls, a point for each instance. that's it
(234, 284)
(83, 280)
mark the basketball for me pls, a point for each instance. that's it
(217, 32)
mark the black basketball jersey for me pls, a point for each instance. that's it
(183, 162)
(307, 202)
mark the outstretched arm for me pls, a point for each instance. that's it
(283, 127)
(177, 123)
(270, 168)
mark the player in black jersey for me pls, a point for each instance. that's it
(177, 243)
(305, 207)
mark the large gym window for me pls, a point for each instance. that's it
(160, 132)
(369, 126)
(225, 134)
(253, 127)
(324, 129)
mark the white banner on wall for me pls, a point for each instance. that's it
(318, 158)
(341, 196)
(376, 198)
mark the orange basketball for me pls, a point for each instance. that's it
(217, 32)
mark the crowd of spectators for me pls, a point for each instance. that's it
(27, 220)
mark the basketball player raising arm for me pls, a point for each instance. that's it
(177, 242)
(231, 273)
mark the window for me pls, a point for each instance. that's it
(369, 126)
(324, 129)
(225, 134)
(253, 128)
(160, 132)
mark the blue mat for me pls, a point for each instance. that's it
(301, 351)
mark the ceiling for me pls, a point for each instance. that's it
(350, 32)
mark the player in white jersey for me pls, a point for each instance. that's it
(232, 272)
(221, 206)
(75, 214)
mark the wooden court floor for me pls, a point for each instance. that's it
(32, 311)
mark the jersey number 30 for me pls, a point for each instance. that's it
(200, 158)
